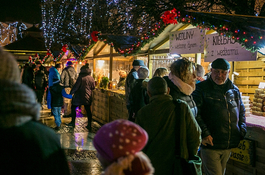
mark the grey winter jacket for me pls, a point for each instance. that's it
(65, 77)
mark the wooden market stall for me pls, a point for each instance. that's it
(109, 104)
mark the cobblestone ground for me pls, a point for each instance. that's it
(77, 143)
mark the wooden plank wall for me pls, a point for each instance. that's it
(251, 73)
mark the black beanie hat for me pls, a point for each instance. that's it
(220, 63)
(138, 63)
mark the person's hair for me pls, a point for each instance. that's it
(181, 68)
(157, 86)
(143, 72)
(160, 72)
(57, 65)
(199, 70)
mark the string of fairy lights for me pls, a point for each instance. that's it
(63, 18)
(9, 32)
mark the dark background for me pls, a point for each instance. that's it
(27, 11)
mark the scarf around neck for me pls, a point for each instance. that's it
(17, 105)
(183, 87)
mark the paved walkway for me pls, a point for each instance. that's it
(77, 143)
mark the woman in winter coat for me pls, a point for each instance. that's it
(181, 81)
(82, 91)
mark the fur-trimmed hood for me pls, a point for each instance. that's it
(17, 105)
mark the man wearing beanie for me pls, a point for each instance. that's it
(138, 96)
(130, 82)
(68, 79)
(221, 116)
(27, 144)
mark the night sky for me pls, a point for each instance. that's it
(27, 11)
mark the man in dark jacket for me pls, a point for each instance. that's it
(40, 83)
(28, 75)
(138, 96)
(130, 82)
(82, 91)
(68, 78)
(221, 116)
(171, 132)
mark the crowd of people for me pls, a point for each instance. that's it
(173, 117)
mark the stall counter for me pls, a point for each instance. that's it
(109, 105)
(256, 135)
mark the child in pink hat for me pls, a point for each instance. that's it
(118, 146)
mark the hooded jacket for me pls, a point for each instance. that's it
(65, 77)
(31, 146)
(221, 113)
(138, 96)
(53, 75)
(83, 88)
(159, 119)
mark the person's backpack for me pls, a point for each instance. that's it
(71, 80)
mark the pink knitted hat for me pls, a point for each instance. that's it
(119, 138)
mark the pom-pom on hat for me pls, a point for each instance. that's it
(8, 67)
(138, 63)
(220, 63)
(119, 138)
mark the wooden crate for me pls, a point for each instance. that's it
(251, 73)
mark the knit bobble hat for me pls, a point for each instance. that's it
(8, 67)
(119, 138)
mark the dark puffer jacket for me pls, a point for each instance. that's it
(177, 94)
(221, 113)
(83, 88)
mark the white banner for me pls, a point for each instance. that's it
(187, 41)
(225, 47)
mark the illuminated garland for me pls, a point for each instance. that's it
(136, 47)
(250, 39)
(85, 51)
(246, 35)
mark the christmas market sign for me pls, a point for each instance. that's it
(219, 46)
(244, 153)
(187, 41)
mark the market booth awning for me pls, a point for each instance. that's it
(26, 47)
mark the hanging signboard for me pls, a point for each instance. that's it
(187, 41)
(227, 48)
(244, 153)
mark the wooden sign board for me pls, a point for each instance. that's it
(244, 153)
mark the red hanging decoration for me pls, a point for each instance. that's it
(64, 48)
(48, 53)
(30, 59)
(169, 17)
(37, 55)
(94, 36)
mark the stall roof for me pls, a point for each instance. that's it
(246, 30)
(27, 43)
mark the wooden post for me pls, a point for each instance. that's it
(198, 58)
(110, 63)
(150, 64)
